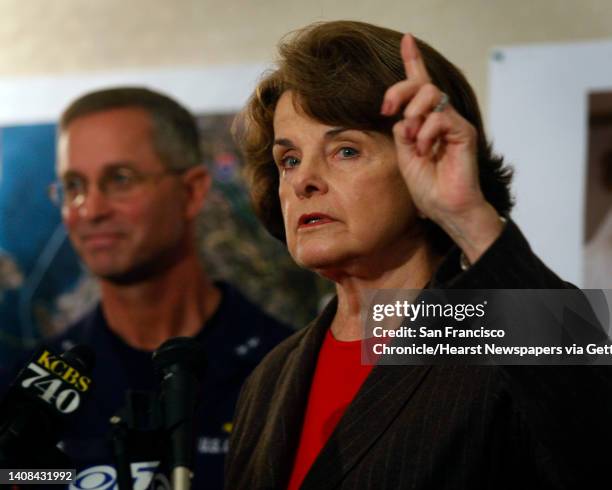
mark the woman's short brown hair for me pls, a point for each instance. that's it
(339, 72)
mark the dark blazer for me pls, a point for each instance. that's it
(430, 427)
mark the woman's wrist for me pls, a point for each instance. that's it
(474, 232)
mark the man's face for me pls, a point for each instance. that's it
(122, 237)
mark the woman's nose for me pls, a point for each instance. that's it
(310, 178)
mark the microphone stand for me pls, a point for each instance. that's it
(181, 478)
(179, 395)
(179, 363)
(120, 450)
(137, 423)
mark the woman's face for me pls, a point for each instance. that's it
(343, 199)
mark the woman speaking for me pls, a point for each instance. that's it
(367, 156)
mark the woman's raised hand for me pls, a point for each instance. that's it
(437, 156)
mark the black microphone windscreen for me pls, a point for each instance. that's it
(82, 356)
(184, 351)
(40, 403)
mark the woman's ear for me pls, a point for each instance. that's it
(197, 182)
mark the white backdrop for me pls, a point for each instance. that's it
(26, 100)
(538, 116)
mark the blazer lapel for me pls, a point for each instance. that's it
(379, 401)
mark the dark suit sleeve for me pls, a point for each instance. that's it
(566, 408)
(509, 263)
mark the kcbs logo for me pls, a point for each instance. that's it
(64, 370)
(53, 380)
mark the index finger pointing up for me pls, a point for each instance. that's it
(413, 61)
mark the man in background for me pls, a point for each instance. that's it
(130, 185)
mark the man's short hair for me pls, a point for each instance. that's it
(175, 132)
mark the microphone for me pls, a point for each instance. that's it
(39, 403)
(180, 362)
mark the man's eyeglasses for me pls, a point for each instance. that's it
(117, 183)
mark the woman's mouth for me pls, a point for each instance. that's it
(313, 219)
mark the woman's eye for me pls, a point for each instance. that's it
(289, 162)
(348, 152)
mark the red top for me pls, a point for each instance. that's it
(338, 376)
